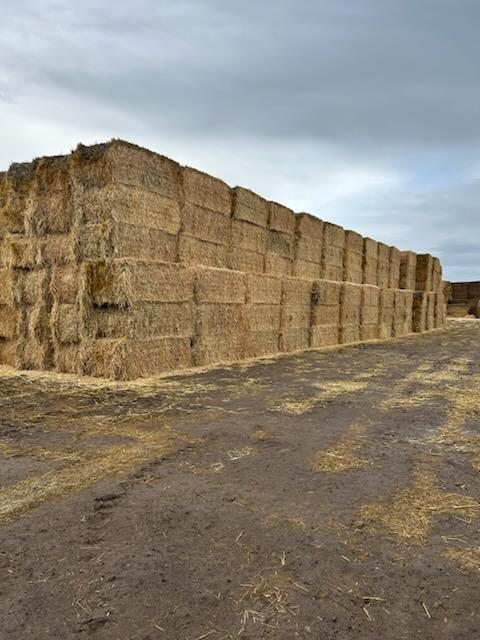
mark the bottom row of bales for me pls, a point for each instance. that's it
(129, 319)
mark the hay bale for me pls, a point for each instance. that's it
(325, 313)
(430, 315)
(220, 333)
(21, 252)
(333, 251)
(369, 312)
(216, 350)
(370, 262)
(129, 204)
(281, 219)
(350, 308)
(206, 191)
(308, 227)
(353, 257)
(7, 286)
(473, 290)
(56, 250)
(459, 290)
(261, 343)
(67, 358)
(18, 185)
(437, 275)
(65, 321)
(131, 165)
(193, 251)
(31, 287)
(129, 359)
(246, 235)
(394, 272)
(383, 265)
(219, 286)
(145, 320)
(424, 272)
(127, 282)
(263, 289)
(262, 317)
(306, 270)
(250, 207)
(204, 224)
(65, 283)
(295, 314)
(386, 313)
(243, 260)
(400, 319)
(420, 302)
(280, 244)
(408, 270)
(50, 208)
(9, 353)
(277, 266)
(440, 311)
(8, 322)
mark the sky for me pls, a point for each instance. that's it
(363, 112)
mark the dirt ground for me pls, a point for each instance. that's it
(322, 495)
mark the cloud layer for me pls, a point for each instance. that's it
(363, 113)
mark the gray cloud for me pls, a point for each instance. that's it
(365, 112)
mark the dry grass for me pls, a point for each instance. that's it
(467, 559)
(341, 456)
(328, 391)
(409, 513)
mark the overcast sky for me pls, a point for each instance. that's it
(363, 112)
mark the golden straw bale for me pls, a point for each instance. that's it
(219, 286)
(50, 208)
(370, 261)
(383, 265)
(350, 303)
(324, 335)
(204, 224)
(65, 283)
(8, 322)
(424, 272)
(206, 191)
(137, 205)
(281, 219)
(246, 235)
(67, 358)
(408, 268)
(437, 276)
(244, 260)
(56, 250)
(66, 323)
(369, 312)
(262, 317)
(394, 271)
(307, 270)
(9, 354)
(349, 333)
(263, 289)
(192, 251)
(430, 313)
(250, 207)
(353, 258)
(126, 282)
(17, 190)
(220, 319)
(277, 265)
(308, 227)
(261, 343)
(21, 252)
(420, 302)
(8, 286)
(440, 310)
(386, 314)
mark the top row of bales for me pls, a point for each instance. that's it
(117, 200)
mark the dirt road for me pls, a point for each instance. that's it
(321, 495)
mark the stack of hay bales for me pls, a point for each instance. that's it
(308, 246)
(353, 258)
(333, 252)
(370, 261)
(262, 315)
(205, 220)
(295, 316)
(325, 316)
(383, 265)
(370, 311)
(350, 312)
(280, 251)
(408, 270)
(140, 317)
(462, 298)
(118, 262)
(386, 313)
(249, 234)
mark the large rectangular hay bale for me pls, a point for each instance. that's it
(440, 310)
(250, 207)
(50, 208)
(369, 312)
(263, 289)
(126, 282)
(56, 250)
(220, 286)
(66, 323)
(207, 191)
(9, 353)
(261, 343)
(262, 317)
(408, 270)
(21, 252)
(430, 315)
(324, 335)
(131, 204)
(308, 227)
(7, 286)
(295, 317)
(8, 322)
(370, 262)
(386, 313)
(144, 321)
(281, 219)
(420, 303)
(277, 265)
(67, 358)
(306, 270)
(383, 265)
(192, 251)
(280, 244)
(240, 259)
(246, 235)
(394, 273)
(437, 275)
(350, 303)
(424, 272)
(204, 224)
(65, 283)
(18, 188)
(353, 258)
